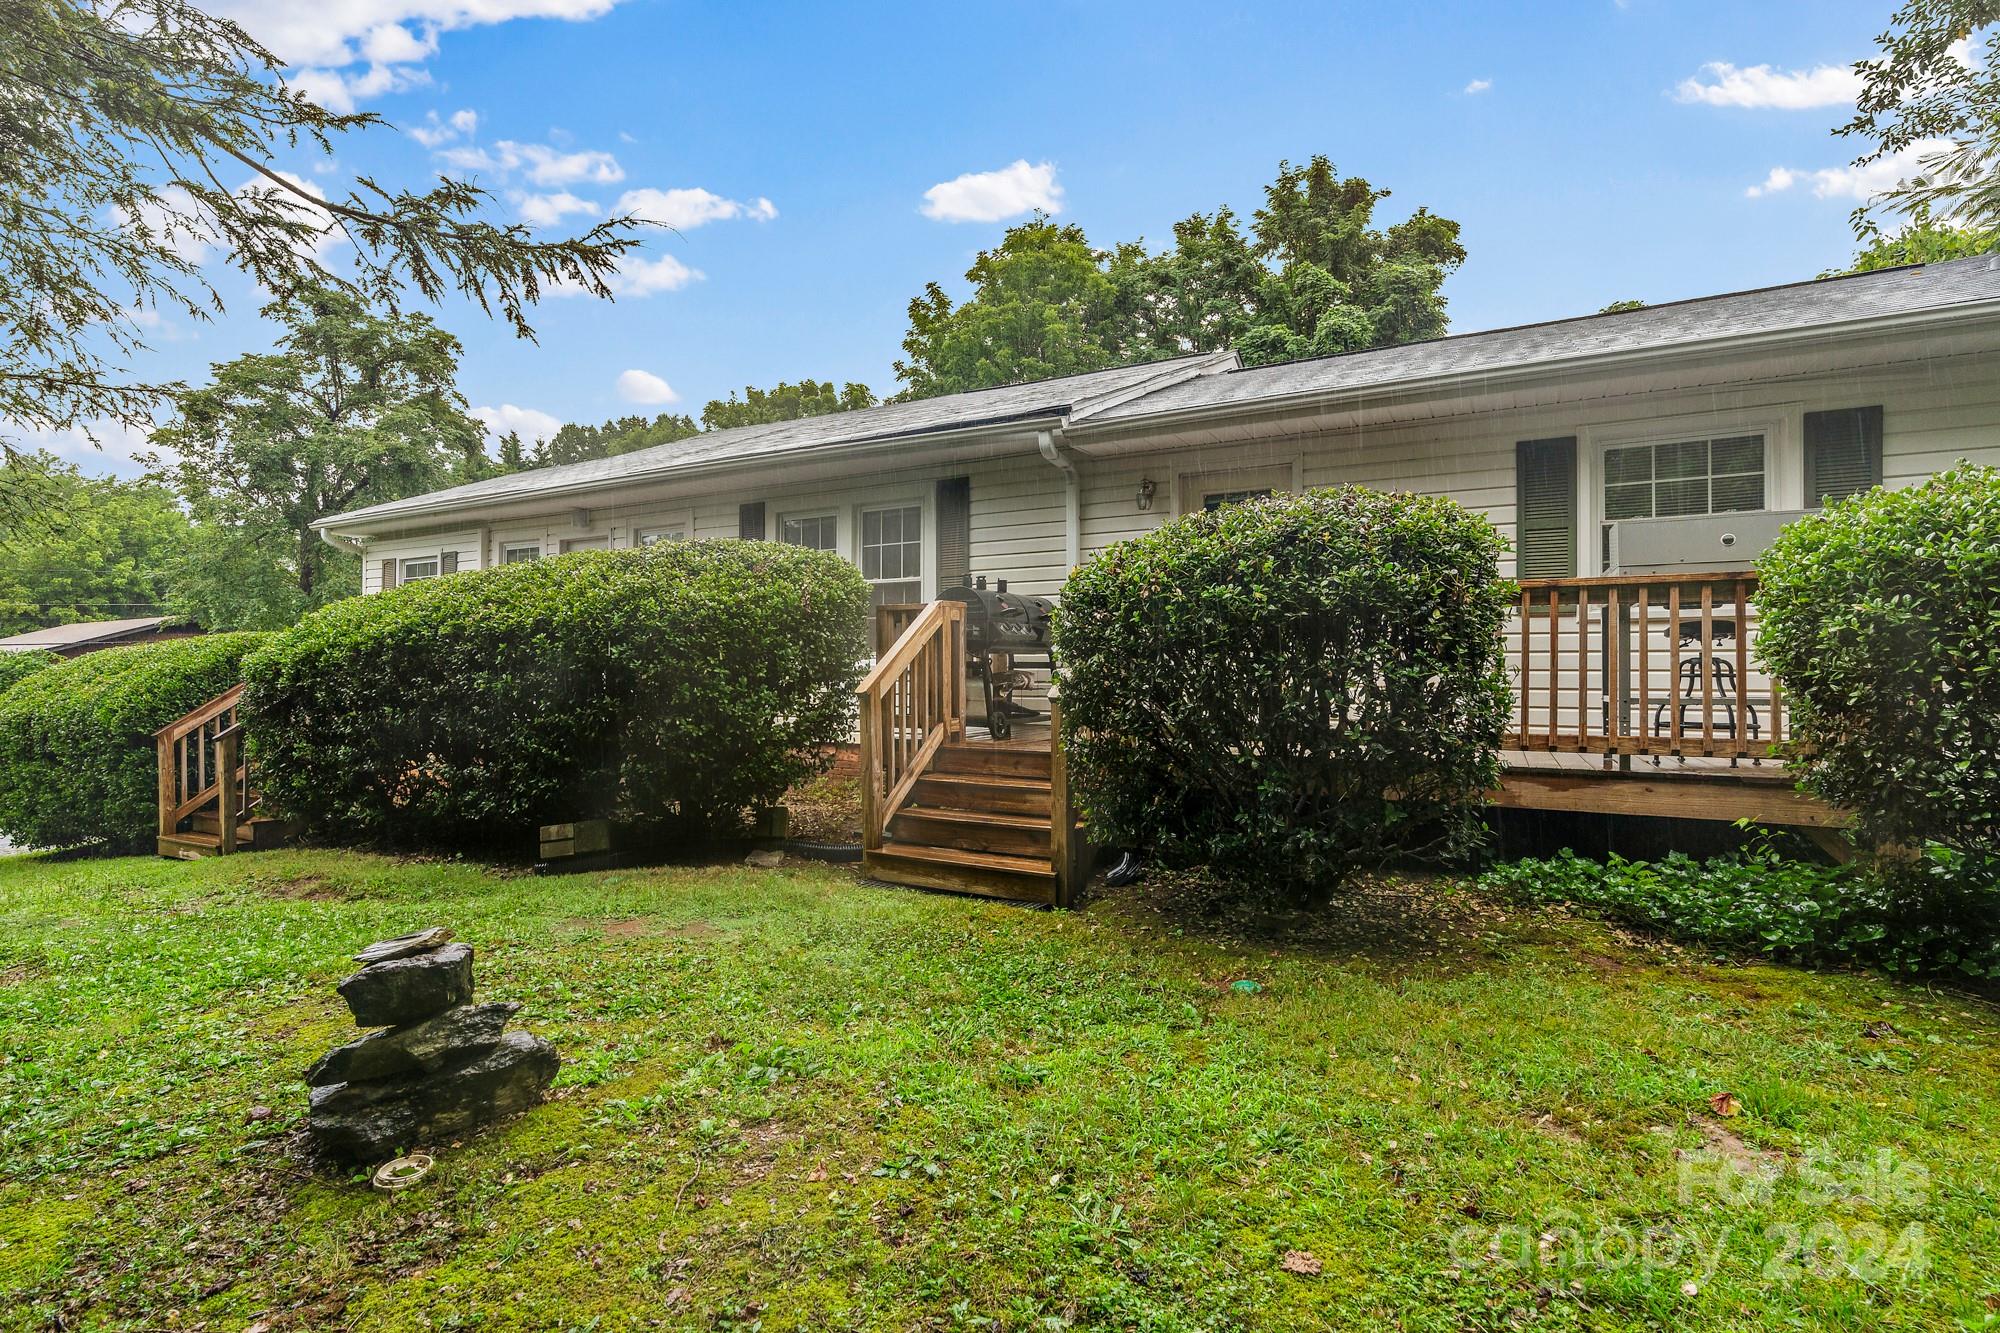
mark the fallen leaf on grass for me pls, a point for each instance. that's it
(1300, 1261)
(1725, 1104)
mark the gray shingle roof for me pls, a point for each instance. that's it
(1771, 310)
(71, 636)
(951, 412)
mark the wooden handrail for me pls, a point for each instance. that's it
(208, 712)
(911, 702)
(202, 767)
(1642, 664)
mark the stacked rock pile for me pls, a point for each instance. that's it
(441, 1064)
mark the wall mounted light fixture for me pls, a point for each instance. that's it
(1145, 497)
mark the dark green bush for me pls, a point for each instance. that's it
(77, 763)
(19, 666)
(1289, 689)
(1940, 914)
(1881, 615)
(677, 685)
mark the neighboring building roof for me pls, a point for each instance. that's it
(1039, 400)
(68, 638)
(1216, 382)
(1797, 307)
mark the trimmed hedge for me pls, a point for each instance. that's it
(1881, 615)
(19, 666)
(679, 686)
(77, 762)
(1289, 689)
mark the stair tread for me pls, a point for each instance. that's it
(1013, 865)
(989, 780)
(995, 817)
(194, 836)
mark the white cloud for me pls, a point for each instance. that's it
(169, 223)
(542, 164)
(1477, 86)
(685, 209)
(436, 132)
(1861, 183)
(531, 424)
(548, 210)
(638, 386)
(341, 93)
(97, 447)
(1723, 84)
(641, 277)
(339, 32)
(327, 234)
(989, 196)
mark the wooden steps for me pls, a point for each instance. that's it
(205, 838)
(976, 821)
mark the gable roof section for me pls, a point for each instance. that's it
(1801, 307)
(1068, 397)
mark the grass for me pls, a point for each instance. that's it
(793, 1100)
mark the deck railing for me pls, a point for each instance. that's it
(912, 702)
(201, 767)
(1642, 664)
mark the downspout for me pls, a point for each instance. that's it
(1049, 442)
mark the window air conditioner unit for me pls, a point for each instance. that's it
(1700, 544)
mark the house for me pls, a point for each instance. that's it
(1766, 400)
(90, 635)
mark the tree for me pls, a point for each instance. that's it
(580, 444)
(1923, 240)
(100, 553)
(1042, 305)
(784, 402)
(120, 123)
(1313, 276)
(1935, 90)
(354, 408)
(1621, 307)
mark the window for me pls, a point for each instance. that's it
(892, 553)
(816, 532)
(420, 567)
(1214, 500)
(585, 544)
(654, 536)
(519, 553)
(1718, 476)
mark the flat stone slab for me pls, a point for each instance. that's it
(365, 1122)
(404, 946)
(409, 990)
(432, 1044)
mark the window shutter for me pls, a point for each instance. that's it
(1545, 508)
(1843, 453)
(448, 563)
(750, 521)
(954, 532)
(388, 575)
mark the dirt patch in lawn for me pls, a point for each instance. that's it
(1721, 1141)
(305, 888)
(13, 974)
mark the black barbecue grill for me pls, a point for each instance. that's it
(1012, 628)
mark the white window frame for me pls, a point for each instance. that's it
(526, 544)
(659, 534)
(1784, 466)
(919, 499)
(801, 515)
(435, 560)
(589, 541)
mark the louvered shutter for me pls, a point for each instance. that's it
(1545, 508)
(1843, 453)
(750, 521)
(388, 575)
(954, 532)
(448, 563)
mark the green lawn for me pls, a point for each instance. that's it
(794, 1100)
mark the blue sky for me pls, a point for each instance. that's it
(796, 145)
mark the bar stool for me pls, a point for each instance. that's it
(1722, 682)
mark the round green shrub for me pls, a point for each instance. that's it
(1881, 615)
(677, 686)
(1289, 689)
(77, 762)
(19, 666)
